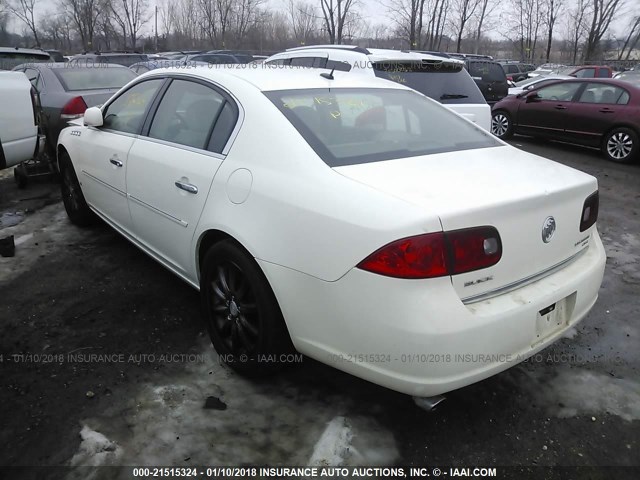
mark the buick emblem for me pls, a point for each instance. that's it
(548, 229)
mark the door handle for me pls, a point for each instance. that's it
(187, 187)
(116, 162)
(606, 110)
(560, 107)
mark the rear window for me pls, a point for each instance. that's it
(126, 60)
(354, 125)
(445, 82)
(487, 71)
(9, 60)
(93, 78)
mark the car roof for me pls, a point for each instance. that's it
(63, 65)
(606, 81)
(269, 78)
(373, 54)
(31, 51)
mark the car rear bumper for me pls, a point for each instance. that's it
(417, 336)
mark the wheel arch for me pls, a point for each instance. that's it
(60, 150)
(208, 239)
(631, 127)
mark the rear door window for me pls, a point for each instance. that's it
(447, 83)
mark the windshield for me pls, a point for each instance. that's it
(93, 78)
(443, 81)
(355, 125)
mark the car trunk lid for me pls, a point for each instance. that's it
(513, 191)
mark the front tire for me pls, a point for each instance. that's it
(620, 145)
(501, 125)
(74, 203)
(241, 312)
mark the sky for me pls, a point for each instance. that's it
(376, 13)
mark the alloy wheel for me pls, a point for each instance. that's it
(234, 309)
(619, 145)
(499, 124)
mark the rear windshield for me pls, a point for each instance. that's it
(356, 125)
(9, 60)
(445, 82)
(93, 78)
(487, 71)
(126, 60)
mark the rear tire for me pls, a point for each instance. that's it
(620, 145)
(501, 125)
(20, 177)
(74, 203)
(241, 312)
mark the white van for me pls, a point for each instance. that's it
(441, 78)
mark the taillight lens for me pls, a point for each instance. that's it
(423, 256)
(74, 108)
(437, 254)
(474, 248)
(590, 211)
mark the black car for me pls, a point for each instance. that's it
(514, 71)
(490, 78)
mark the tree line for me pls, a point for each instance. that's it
(535, 31)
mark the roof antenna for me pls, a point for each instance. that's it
(328, 76)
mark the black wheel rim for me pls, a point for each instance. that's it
(234, 312)
(70, 190)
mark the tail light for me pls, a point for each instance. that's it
(437, 254)
(510, 78)
(590, 211)
(74, 108)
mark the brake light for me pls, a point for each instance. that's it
(437, 254)
(590, 211)
(74, 108)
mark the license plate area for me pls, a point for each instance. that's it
(553, 317)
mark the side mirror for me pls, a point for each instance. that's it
(532, 97)
(93, 117)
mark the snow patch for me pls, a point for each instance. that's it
(95, 449)
(573, 392)
(333, 446)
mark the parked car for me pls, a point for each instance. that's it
(210, 58)
(19, 139)
(487, 74)
(144, 67)
(56, 56)
(515, 72)
(10, 57)
(100, 58)
(65, 91)
(591, 112)
(392, 226)
(535, 82)
(437, 76)
(240, 56)
(490, 78)
(631, 76)
(587, 71)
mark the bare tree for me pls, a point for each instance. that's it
(485, 8)
(304, 21)
(602, 13)
(553, 8)
(84, 15)
(23, 9)
(408, 16)
(130, 15)
(462, 11)
(335, 14)
(633, 38)
(436, 22)
(576, 27)
(527, 18)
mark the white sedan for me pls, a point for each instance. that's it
(351, 219)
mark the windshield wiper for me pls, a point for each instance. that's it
(448, 96)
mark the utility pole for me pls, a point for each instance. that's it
(156, 28)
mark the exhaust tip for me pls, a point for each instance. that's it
(429, 403)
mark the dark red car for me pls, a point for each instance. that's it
(603, 113)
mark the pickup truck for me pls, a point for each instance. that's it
(19, 139)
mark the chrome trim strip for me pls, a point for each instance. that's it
(182, 223)
(521, 283)
(110, 187)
